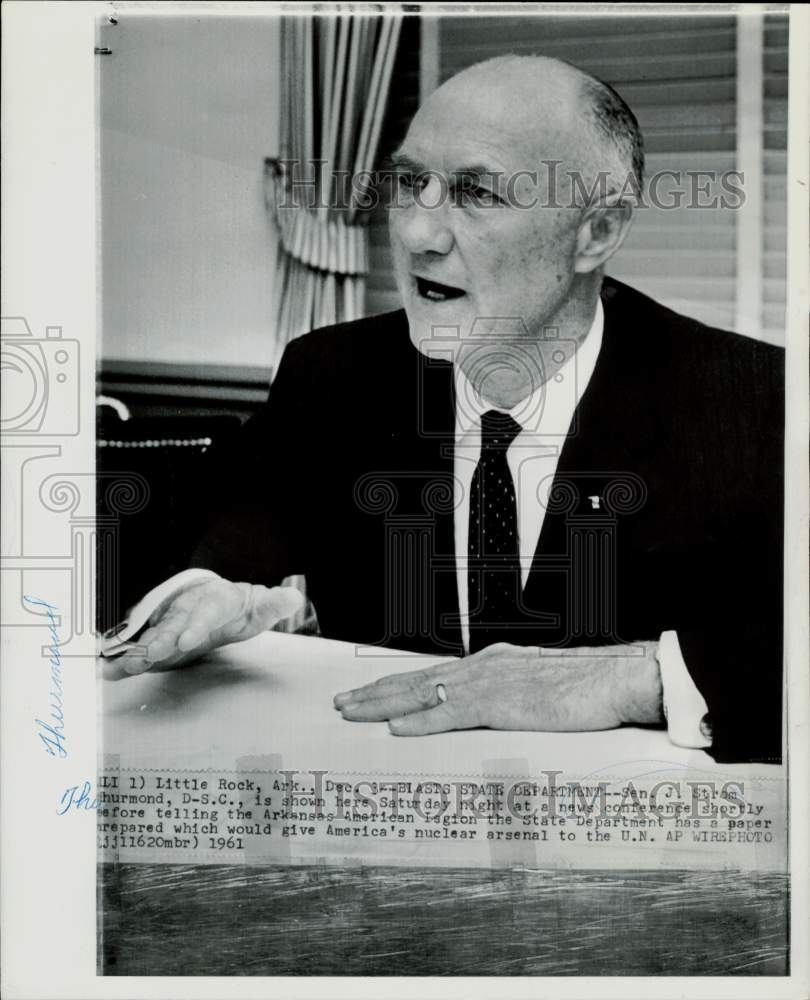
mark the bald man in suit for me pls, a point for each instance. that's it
(572, 490)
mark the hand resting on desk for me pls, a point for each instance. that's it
(204, 615)
(502, 687)
(517, 688)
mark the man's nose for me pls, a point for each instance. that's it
(423, 225)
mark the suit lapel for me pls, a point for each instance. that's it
(438, 412)
(596, 482)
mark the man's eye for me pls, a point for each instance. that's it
(409, 182)
(476, 195)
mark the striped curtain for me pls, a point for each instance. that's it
(335, 78)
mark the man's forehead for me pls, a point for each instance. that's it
(448, 153)
(496, 127)
(497, 151)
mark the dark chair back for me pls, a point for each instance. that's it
(156, 482)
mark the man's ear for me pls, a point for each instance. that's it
(601, 233)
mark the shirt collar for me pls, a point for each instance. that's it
(550, 408)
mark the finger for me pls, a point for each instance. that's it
(394, 684)
(440, 719)
(163, 645)
(161, 640)
(392, 705)
(179, 599)
(112, 670)
(139, 661)
(155, 645)
(212, 613)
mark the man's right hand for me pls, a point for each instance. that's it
(200, 618)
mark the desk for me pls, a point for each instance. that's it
(272, 697)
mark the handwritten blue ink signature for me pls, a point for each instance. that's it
(52, 734)
(77, 798)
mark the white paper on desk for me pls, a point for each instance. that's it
(289, 780)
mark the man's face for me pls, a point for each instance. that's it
(465, 248)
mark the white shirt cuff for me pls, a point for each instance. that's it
(684, 705)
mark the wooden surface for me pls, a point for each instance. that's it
(174, 920)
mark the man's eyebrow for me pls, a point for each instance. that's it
(477, 171)
(406, 164)
(402, 161)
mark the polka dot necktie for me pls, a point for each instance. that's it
(493, 575)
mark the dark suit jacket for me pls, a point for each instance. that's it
(346, 476)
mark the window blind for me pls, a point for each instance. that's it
(403, 100)
(774, 234)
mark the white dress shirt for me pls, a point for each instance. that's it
(545, 420)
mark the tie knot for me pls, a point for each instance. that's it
(498, 430)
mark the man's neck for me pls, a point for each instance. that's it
(521, 368)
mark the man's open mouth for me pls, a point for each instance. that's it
(435, 292)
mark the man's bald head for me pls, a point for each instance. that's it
(567, 112)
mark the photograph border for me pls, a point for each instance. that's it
(51, 277)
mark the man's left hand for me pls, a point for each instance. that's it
(517, 688)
